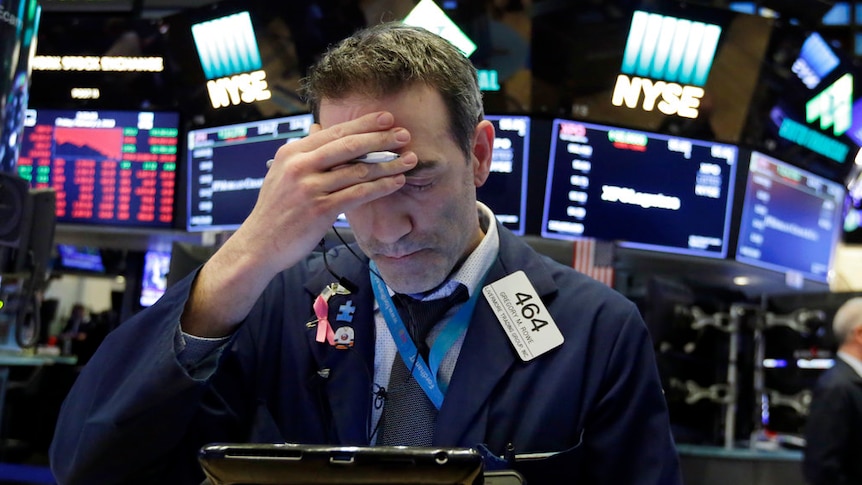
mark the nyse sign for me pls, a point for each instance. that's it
(667, 60)
(670, 98)
(247, 87)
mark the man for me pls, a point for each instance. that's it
(833, 431)
(268, 344)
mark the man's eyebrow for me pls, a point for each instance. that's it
(422, 166)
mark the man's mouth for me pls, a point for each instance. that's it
(398, 255)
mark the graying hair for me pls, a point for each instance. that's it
(848, 317)
(389, 57)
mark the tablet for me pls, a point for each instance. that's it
(289, 464)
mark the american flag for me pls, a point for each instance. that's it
(595, 259)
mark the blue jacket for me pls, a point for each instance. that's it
(135, 415)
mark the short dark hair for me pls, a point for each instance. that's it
(388, 57)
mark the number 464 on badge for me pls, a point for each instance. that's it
(523, 316)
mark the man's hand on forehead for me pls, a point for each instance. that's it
(313, 180)
(371, 138)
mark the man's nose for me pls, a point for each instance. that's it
(390, 221)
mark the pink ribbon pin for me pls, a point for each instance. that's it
(324, 329)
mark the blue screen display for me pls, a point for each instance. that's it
(506, 188)
(644, 190)
(155, 276)
(80, 258)
(226, 166)
(791, 219)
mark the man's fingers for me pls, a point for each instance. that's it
(355, 195)
(349, 174)
(369, 123)
(346, 141)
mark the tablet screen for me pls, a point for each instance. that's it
(287, 464)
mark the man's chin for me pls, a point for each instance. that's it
(410, 275)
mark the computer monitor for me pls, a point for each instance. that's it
(185, 259)
(791, 219)
(226, 166)
(108, 168)
(505, 191)
(18, 39)
(645, 190)
(78, 259)
(154, 280)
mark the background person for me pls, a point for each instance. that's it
(833, 431)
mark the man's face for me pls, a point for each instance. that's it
(417, 235)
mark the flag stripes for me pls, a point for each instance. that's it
(595, 259)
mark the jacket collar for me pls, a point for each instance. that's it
(487, 354)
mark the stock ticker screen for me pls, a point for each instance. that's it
(109, 168)
(791, 219)
(644, 190)
(226, 166)
(505, 190)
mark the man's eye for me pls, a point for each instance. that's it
(419, 183)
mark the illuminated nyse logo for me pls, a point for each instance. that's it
(833, 106)
(231, 60)
(677, 52)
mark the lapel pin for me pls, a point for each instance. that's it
(321, 311)
(343, 338)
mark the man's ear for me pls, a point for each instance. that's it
(483, 148)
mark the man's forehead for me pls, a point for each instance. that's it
(339, 110)
(417, 92)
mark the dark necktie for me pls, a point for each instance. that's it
(408, 415)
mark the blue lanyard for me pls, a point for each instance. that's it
(425, 374)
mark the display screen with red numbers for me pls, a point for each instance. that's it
(110, 168)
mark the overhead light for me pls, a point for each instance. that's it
(428, 15)
(85, 93)
(741, 280)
